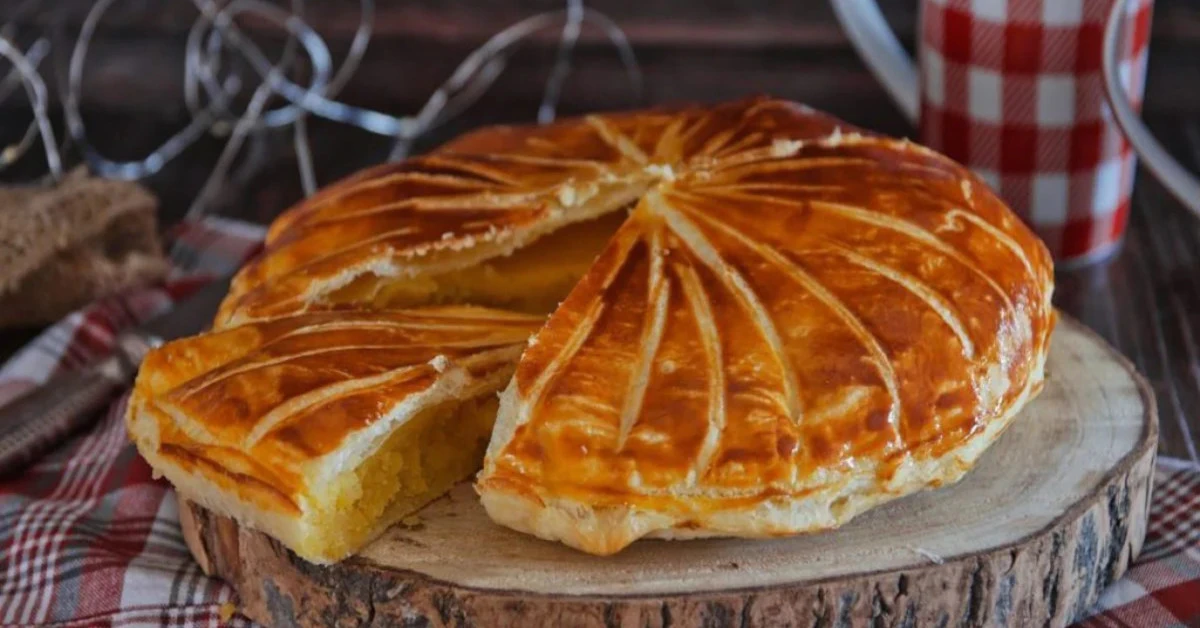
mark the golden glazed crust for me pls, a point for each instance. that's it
(794, 322)
(485, 195)
(444, 211)
(797, 322)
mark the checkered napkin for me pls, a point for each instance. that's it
(88, 538)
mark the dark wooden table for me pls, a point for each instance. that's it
(1146, 299)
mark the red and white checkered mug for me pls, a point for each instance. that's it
(1024, 92)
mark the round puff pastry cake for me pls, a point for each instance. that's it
(770, 321)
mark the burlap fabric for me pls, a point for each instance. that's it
(67, 244)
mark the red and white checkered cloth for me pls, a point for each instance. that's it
(88, 538)
(1013, 90)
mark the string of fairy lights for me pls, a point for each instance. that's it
(233, 104)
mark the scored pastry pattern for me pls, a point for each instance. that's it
(271, 396)
(792, 309)
(792, 304)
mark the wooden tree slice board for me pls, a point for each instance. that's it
(1052, 513)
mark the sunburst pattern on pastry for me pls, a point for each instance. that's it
(772, 322)
(797, 322)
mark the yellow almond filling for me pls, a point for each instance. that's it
(533, 279)
(418, 462)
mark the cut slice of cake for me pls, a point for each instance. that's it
(513, 230)
(323, 429)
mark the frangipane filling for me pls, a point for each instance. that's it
(418, 462)
(533, 279)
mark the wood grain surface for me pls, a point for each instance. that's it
(1054, 512)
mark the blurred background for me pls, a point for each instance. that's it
(132, 90)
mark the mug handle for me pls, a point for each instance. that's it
(1178, 181)
(875, 42)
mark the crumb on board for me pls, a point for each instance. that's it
(226, 612)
